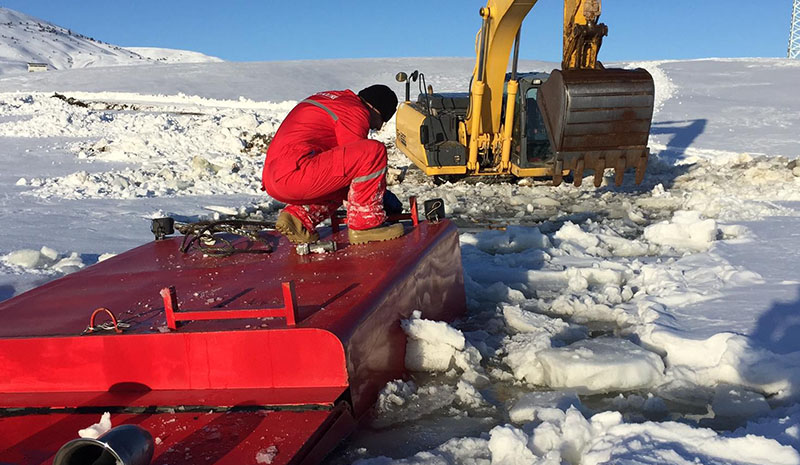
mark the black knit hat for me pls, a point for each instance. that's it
(382, 98)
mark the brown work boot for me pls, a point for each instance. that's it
(377, 234)
(291, 227)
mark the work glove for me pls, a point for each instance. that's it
(392, 204)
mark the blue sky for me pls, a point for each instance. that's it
(262, 30)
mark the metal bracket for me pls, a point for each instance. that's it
(174, 314)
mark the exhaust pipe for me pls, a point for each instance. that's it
(123, 445)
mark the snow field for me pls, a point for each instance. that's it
(171, 150)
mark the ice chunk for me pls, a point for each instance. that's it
(401, 401)
(523, 355)
(468, 396)
(30, 259)
(686, 232)
(601, 365)
(49, 254)
(514, 239)
(222, 210)
(527, 322)
(526, 407)
(105, 256)
(69, 264)
(566, 434)
(509, 446)
(573, 233)
(431, 344)
(26, 258)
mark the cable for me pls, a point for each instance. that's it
(204, 235)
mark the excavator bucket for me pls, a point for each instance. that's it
(598, 119)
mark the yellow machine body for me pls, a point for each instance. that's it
(593, 118)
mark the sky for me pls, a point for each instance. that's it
(257, 30)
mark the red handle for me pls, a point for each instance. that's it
(94, 315)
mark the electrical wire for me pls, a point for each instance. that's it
(207, 237)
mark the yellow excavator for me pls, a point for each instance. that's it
(584, 116)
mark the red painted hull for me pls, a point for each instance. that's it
(266, 383)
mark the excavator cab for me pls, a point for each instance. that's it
(532, 148)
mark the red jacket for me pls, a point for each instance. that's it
(309, 128)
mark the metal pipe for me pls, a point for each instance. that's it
(484, 12)
(123, 445)
(516, 57)
(478, 88)
(511, 104)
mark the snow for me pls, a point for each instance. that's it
(98, 429)
(671, 442)
(686, 231)
(601, 365)
(640, 324)
(26, 39)
(169, 55)
(267, 455)
(44, 260)
(432, 345)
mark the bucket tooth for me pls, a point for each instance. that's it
(599, 171)
(558, 170)
(641, 167)
(577, 177)
(619, 171)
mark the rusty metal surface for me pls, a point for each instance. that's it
(598, 119)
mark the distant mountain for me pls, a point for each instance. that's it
(169, 55)
(25, 39)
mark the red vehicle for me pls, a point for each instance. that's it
(242, 359)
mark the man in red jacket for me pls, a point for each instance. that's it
(321, 156)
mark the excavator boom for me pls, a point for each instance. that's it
(582, 34)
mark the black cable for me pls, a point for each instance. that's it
(205, 236)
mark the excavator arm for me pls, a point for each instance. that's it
(583, 36)
(502, 21)
(595, 118)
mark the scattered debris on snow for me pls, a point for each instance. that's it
(267, 455)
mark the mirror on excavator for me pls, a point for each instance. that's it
(583, 116)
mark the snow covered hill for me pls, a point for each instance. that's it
(641, 324)
(25, 39)
(169, 55)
